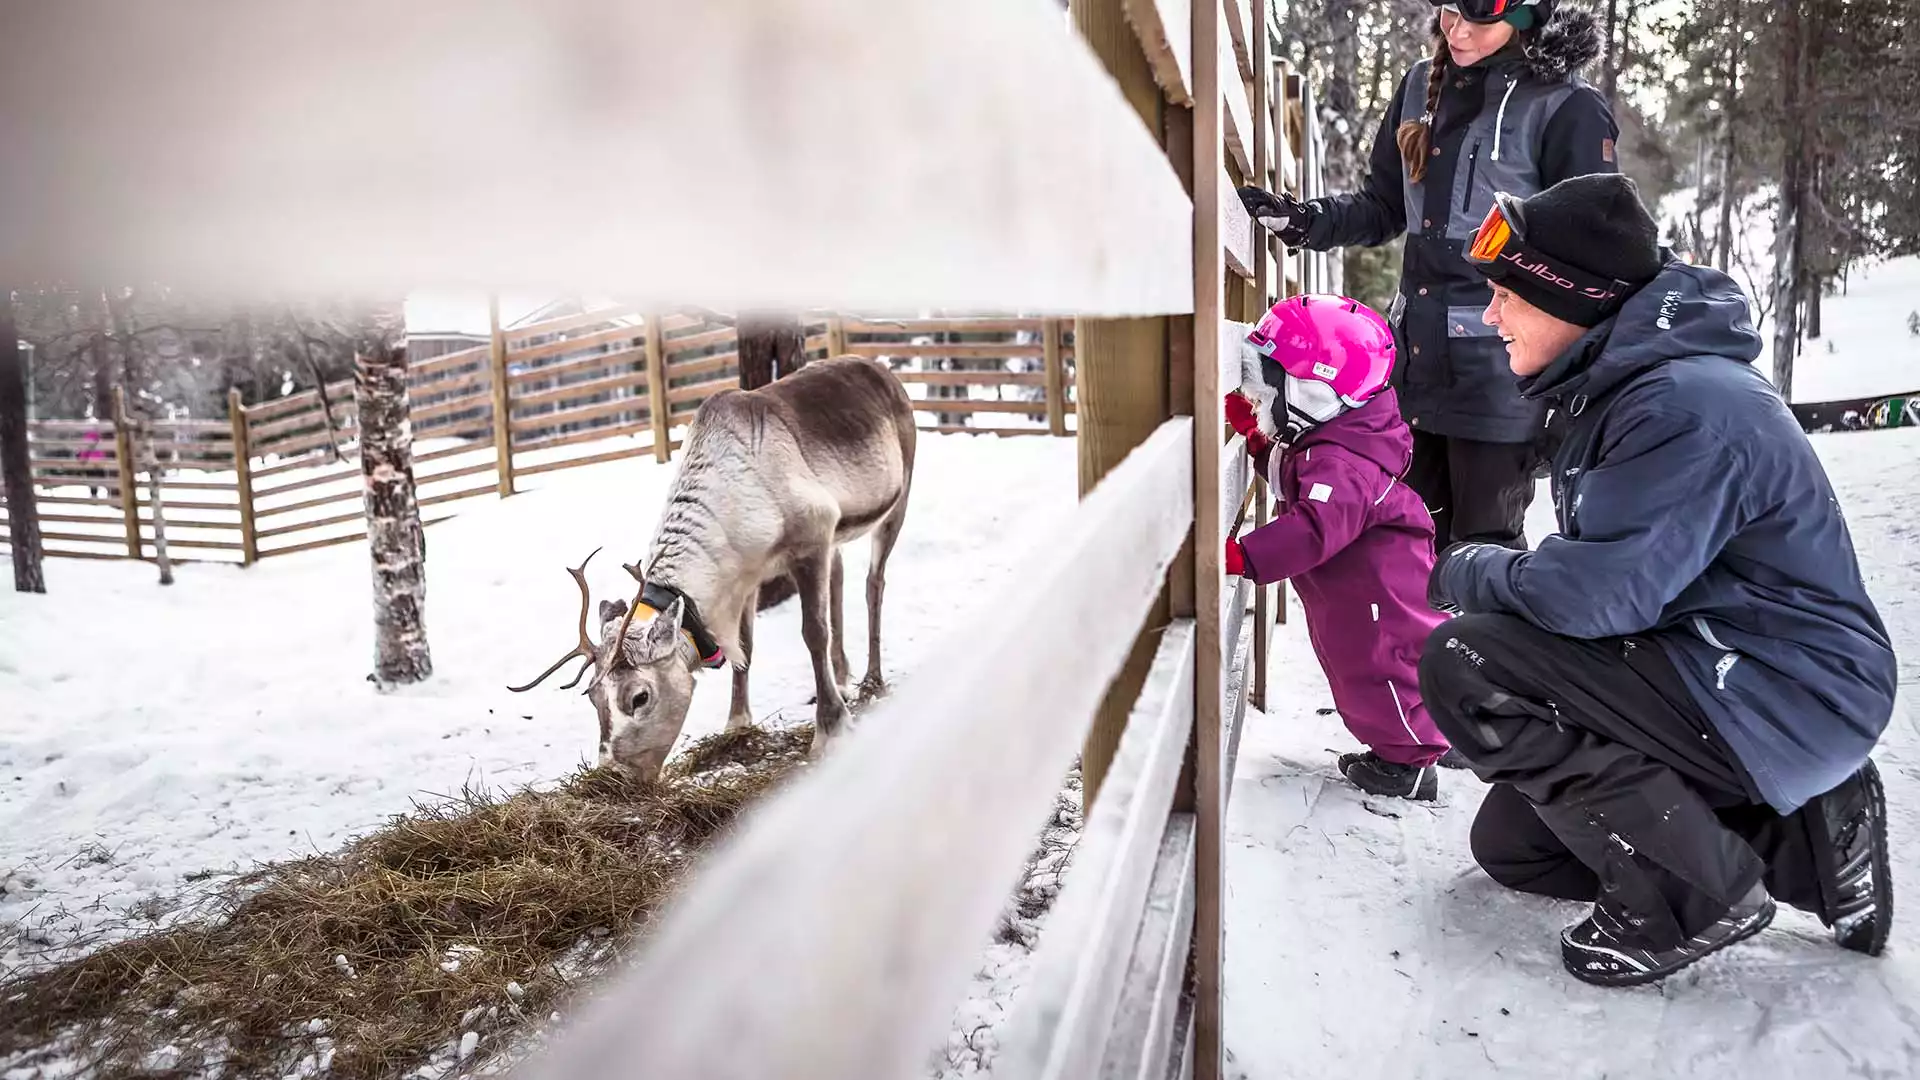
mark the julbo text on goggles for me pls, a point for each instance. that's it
(1501, 247)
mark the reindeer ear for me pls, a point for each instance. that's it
(612, 609)
(663, 633)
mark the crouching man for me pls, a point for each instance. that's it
(1673, 698)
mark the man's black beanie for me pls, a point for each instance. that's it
(1594, 223)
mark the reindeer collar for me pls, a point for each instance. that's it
(655, 598)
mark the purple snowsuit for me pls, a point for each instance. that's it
(1357, 544)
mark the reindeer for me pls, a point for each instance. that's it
(774, 480)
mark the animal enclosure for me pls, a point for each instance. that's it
(281, 477)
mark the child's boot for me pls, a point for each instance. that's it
(1377, 776)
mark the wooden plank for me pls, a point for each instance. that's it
(973, 378)
(307, 504)
(1067, 1007)
(1238, 112)
(612, 431)
(973, 351)
(657, 387)
(314, 545)
(1241, 28)
(455, 496)
(626, 336)
(1055, 372)
(718, 362)
(1236, 478)
(425, 416)
(316, 523)
(1212, 201)
(1236, 234)
(963, 429)
(579, 414)
(123, 454)
(697, 391)
(590, 459)
(960, 406)
(1145, 1023)
(916, 327)
(425, 370)
(981, 738)
(626, 380)
(337, 476)
(423, 479)
(705, 339)
(570, 322)
(625, 358)
(1164, 30)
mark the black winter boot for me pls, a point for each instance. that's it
(1453, 759)
(1860, 903)
(1604, 950)
(1376, 776)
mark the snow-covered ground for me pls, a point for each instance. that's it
(1867, 346)
(152, 735)
(1363, 945)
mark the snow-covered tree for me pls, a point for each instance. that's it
(395, 538)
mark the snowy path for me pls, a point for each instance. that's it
(1365, 946)
(150, 736)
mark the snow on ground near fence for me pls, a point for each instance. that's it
(152, 734)
(1362, 945)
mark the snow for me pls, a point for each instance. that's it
(157, 736)
(1867, 348)
(1363, 939)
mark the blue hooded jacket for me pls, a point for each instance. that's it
(1693, 510)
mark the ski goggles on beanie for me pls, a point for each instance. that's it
(1519, 12)
(1500, 251)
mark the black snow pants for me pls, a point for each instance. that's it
(1474, 490)
(1609, 784)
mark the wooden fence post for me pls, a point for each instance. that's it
(123, 456)
(502, 399)
(1056, 377)
(836, 336)
(243, 476)
(658, 408)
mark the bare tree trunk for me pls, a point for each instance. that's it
(16, 467)
(133, 377)
(320, 390)
(771, 344)
(1610, 70)
(1791, 222)
(396, 540)
(1723, 240)
(156, 500)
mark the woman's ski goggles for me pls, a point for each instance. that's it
(1486, 11)
(1500, 251)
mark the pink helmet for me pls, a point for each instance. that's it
(1330, 339)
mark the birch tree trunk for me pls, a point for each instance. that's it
(156, 500)
(395, 539)
(16, 468)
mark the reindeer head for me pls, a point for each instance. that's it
(643, 677)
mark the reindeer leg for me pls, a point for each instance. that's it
(839, 594)
(884, 536)
(813, 574)
(741, 714)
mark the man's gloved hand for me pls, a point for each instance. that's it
(1241, 418)
(1439, 596)
(1282, 214)
(1236, 559)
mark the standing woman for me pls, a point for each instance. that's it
(1498, 107)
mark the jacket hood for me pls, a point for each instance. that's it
(1569, 41)
(1373, 431)
(1684, 311)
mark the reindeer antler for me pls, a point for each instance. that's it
(586, 649)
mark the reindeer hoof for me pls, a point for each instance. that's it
(739, 722)
(873, 688)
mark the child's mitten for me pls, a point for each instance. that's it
(1236, 559)
(1241, 418)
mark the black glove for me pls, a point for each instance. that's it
(1282, 214)
(1438, 597)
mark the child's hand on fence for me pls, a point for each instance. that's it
(1236, 559)
(1240, 417)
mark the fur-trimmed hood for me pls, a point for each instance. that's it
(1569, 41)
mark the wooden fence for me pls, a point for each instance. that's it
(1088, 168)
(281, 477)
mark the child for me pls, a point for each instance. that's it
(1355, 541)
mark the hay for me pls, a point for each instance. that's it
(465, 915)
